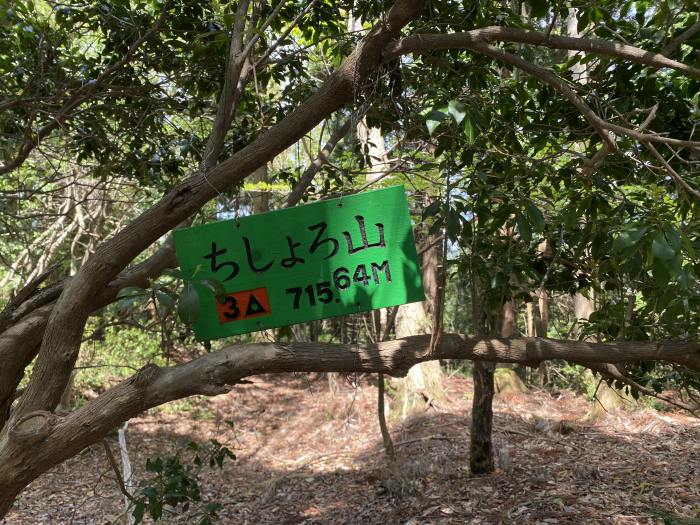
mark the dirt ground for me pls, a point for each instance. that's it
(307, 456)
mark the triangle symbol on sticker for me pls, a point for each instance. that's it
(254, 306)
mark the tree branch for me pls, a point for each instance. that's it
(613, 372)
(596, 160)
(680, 181)
(263, 60)
(212, 373)
(115, 468)
(230, 93)
(62, 338)
(467, 40)
(477, 39)
(671, 48)
(555, 82)
(322, 158)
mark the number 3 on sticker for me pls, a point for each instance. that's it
(243, 305)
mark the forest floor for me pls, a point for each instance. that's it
(307, 456)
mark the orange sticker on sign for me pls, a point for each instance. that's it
(244, 305)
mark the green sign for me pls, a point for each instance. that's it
(333, 257)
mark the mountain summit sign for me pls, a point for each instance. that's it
(329, 258)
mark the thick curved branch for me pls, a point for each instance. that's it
(63, 333)
(428, 42)
(213, 373)
(555, 82)
(477, 40)
(234, 81)
(27, 291)
(21, 336)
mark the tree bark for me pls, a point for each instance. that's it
(423, 383)
(427, 42)
(481, 445)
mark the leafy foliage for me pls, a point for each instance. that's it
(174, 483)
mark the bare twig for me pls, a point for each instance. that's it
(386, 436)
(322, 158)
(263, 60)
(113, 463)
(680, 181)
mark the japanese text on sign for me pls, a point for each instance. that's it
(324, 259)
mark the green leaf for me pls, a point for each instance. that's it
(536, 217)
(433, 120)
(156, 509)
(188, 306)
(470, 130)
(436, 227)
(629, 237)
(138, 512)
(498, 280)
(456, 110)
(524, 229)
(661, 249)
(538, 8)
(660, 273)
(688, 246)
(685, 278)
(153, 465)
(453, 225)
(431, 209)
(165, 302)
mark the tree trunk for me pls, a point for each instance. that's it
(424, 383)
(542, 328)
(126, 470)
(578, 70)
(64, 403)
(583, 308)
(507, 376)
(542, 324)
(481, 446)
(607, 399)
